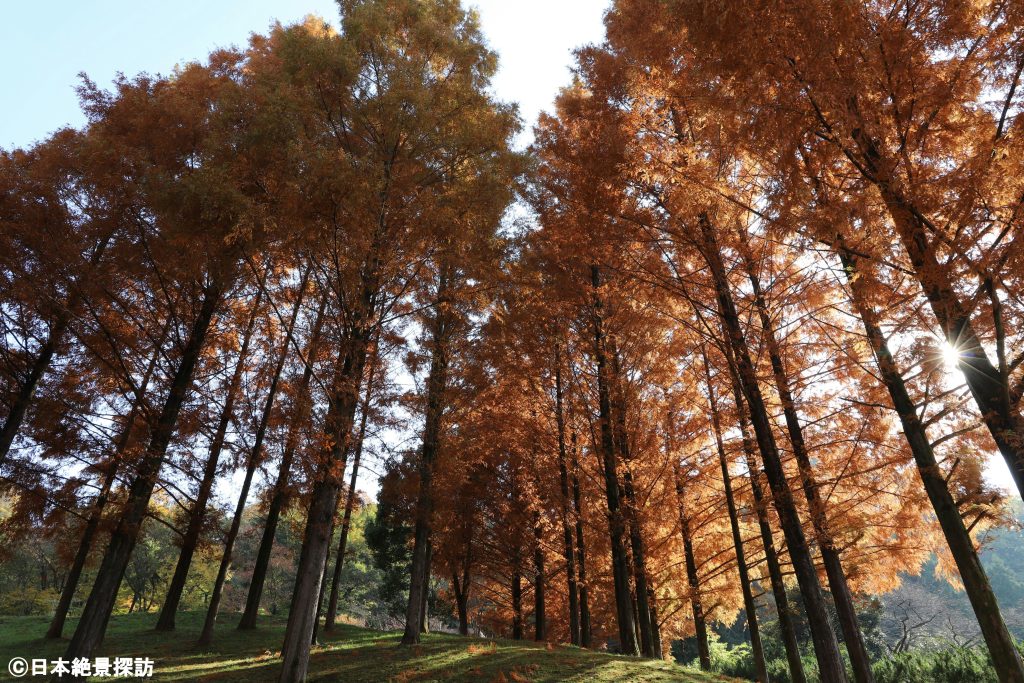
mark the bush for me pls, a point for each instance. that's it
(952, 664)
(29, 601)
(732, 660)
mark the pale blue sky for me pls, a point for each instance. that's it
(45, 44)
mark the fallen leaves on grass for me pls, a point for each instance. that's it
(405, 676)
(488, 649)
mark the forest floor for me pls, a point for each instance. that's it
(350, 654)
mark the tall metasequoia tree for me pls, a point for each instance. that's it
(616, 520)
(1005, 657)
(439, 344)
(424, 163)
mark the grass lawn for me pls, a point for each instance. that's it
(350, 654)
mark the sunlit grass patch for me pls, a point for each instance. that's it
(349, 653)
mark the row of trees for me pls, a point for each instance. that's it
(755, 329)
(208, 278)
(745, 345)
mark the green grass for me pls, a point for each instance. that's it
(351, 654)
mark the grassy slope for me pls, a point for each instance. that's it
(351, 655)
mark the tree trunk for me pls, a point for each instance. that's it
(786, 612)
(581, 548)
(539, 625)
(517, 605)
(339, 562)
(280, 494)
(637, 547)
(692, 577)
(840, 589)
(616, 521)
(826, 647)
(461, 590)
(60, 616)
(323, 584)
(750, 609)
(563, 478)
(1005, 657)
(787, 629)
(101, 600)
(323, 502)
(190, 539)
(652, 600)
(206, 635)
(424, 616)
(437, 384)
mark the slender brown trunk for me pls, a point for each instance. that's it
(461, 590)
(692, 577)
(750, 609)
(190, 539)
(637, 547)
(652, 600)
(826, 648)
(60, 616)
(323, 502)
(616, 520)
(563, 478)
(101, 600)
(437, 383)
(323, 575)
(539, 625)
(206, 635)
(839, 587)
(339, 562)
(280, 493)
(581, 548)
(785, 611)
(462, 585)
(517, 604)
(1005, 657)
(424, 616)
